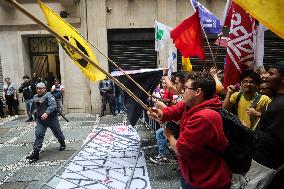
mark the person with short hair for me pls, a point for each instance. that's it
(57, 90)
(46, 116)
(264, 89)
(35, 80)
(269, 134)
(10, 96)
(27, 89)
(247, 104)
(201, 134)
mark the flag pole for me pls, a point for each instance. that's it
(214, 62)
(61, 39)
(205, 38)
(113, 63)
(217, 50)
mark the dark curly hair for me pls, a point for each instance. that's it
(250, 73)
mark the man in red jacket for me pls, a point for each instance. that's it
(201, 134)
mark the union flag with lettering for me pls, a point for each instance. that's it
(240, 52)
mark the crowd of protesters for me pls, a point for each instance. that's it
(187, 106)
(189, 101)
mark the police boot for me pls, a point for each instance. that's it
(34, 156)
(62, 146)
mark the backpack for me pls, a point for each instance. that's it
(253, 119)
(238, 154)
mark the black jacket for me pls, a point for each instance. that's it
(27, 89)
(269, 143)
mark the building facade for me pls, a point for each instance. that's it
(121, 29)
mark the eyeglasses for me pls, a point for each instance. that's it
(248, 82)
(191, 88)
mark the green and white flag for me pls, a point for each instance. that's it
(162, 35)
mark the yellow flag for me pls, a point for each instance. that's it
(186, 65)
(268, 12)
(73, 36)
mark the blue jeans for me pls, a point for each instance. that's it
(185, 185)
(29, 104)
(41, 126)
(118, 103)
(161, 141)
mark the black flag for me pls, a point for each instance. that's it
(148, 81)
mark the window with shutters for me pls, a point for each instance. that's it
(132, 49)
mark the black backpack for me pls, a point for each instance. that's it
(253, 119)
(238, 154)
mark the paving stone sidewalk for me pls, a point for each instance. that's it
(16, 141)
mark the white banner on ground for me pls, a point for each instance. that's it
(107, 161)
(256, 177)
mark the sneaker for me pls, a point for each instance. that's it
(176, 170)
(29, 120)
(160, 159)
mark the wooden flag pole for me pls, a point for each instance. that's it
(214, 62)
(113, 63)
(216, 53)
(220, 36)
(61, 39)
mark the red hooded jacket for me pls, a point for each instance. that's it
(201, 129)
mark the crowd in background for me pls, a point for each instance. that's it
(10, 97)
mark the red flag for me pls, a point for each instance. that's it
(188, 38)
(240, 54)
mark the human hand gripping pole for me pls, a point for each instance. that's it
(155, 113)
(67, 43)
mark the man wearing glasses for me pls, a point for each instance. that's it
(247, 104)
(200, 128)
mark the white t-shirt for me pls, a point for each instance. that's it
(60, 87)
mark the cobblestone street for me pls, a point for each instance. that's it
(16, 141)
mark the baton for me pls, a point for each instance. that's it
(62, 115)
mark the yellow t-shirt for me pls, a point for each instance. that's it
(244, 104)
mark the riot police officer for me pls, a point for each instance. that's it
(46, 116)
